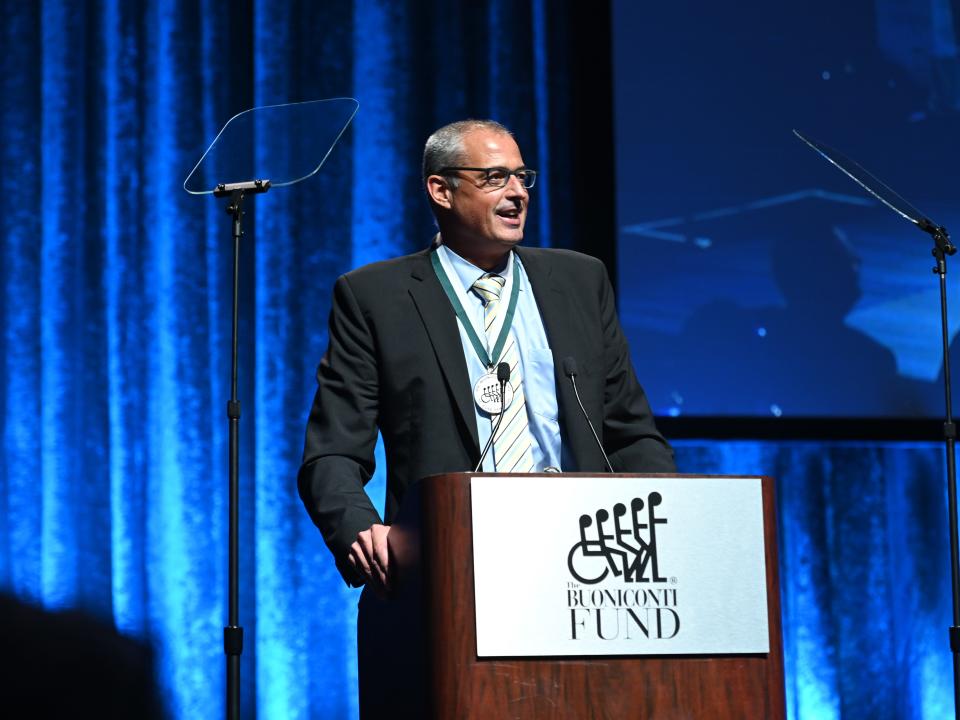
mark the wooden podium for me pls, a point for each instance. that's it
(418, 650)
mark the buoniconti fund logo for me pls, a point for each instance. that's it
(620, 591)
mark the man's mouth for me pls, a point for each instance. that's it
(510, 216)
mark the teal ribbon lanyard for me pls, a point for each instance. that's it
(478, 346)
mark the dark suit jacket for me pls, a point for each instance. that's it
(395, 361)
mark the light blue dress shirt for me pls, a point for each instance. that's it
(536, 359)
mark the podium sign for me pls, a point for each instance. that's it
(567, 566)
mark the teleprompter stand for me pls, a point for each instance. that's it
(288, 144)
(942, 247)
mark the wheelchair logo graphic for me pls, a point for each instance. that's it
(625, 547)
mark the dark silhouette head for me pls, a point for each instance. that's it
(816, 270)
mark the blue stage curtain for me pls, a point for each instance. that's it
(115, 298)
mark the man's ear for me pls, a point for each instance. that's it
(439, 191)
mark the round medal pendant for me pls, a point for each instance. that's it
(486, 393)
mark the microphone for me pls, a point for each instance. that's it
(570, 370)
(503, 377)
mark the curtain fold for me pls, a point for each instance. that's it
(115, 350)
(21, 519)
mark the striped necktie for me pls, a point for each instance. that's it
(512, 446)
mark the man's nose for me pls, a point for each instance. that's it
(515, 188)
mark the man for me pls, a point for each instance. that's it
(410, 337)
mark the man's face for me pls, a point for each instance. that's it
(489, 217)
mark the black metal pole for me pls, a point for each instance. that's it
(950, 435)
(233, 633)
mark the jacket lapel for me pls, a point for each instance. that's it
(440, 322)
(559, 320)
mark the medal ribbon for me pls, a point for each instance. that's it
(478, 346)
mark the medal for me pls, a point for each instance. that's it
(486, 393)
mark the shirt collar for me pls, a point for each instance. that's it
(468, 273)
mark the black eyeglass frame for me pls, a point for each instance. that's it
(526, 172)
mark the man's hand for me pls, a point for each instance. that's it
(369, 555)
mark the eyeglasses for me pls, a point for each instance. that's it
(498, 177)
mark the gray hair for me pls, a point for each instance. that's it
(445, 147)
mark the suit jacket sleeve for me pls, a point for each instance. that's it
(630, 435)
(338, 456)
